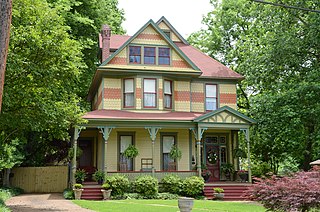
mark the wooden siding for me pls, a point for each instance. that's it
(112, 94)
(182, 96)
(41, 179)
(228, 95)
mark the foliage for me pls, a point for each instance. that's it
(260, 169)
(131, 152)
(175, 153)
(118, 183)
(227, 168)
(80, 175)
(98, 176)
(276, 49)
(6, 193)
(238, 152)
(146, 186)
(68, 193)
(171, 183)
(106, 186)
(218, 190)
(77, 186)
(192, 186)
(71, 152)
(300, 192)
(10, 153)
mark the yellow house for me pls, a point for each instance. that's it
(153, 90)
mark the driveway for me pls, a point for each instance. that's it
(42, 202)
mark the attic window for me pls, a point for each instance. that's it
(164, 56)
(135, 54)
(167, 33)
(149, 55)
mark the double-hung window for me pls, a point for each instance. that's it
(211, 97)
(128, 95)
(167, 142)
(135, 54)
(149, 93)
(149, 55)
(164, 56)
(167, 94)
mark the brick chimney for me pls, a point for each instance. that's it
(105, 35)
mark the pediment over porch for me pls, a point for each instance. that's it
(225, 115)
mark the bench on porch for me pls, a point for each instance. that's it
(146, 164)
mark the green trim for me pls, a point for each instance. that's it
(142, 70)
(190, 150)
(157, 29)
(230, 110)
(171, 28)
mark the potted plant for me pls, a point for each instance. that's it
(218, 193)
(131, 152)
(80, 175)
(77, 189)
(243, 174)
(106, 191)
(227, 169)
(175, 154)
(98, 176)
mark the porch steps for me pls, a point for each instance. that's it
(232, 192)
(91, 191)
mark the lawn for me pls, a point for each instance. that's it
(167, 205)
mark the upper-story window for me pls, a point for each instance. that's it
(149, 93)
(135, 54)
(164, 56)
(167, 90)
(211, 97)
(128, 95)
(149, 55)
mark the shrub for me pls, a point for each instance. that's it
(77, 186)
(300, 192)
(171, 183)
(168, 196)
(106, 186)
(218, 190)
(261, 169)
(146, 185)
(193, 186)
(6, 193)
(98, 176)
(80, 175)
(68, 193)
(118, 183)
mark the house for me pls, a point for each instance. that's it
(154, 90)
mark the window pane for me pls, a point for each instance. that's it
(128, 99)
(211, 103)
(167, 101)
(164, 52)
(211, 90)
(125, 141)
(150, 51)
(135, 54)
(149, 85)
(149, 99)
(167, 87)
(128, 85)
(168, 141)
(164, 61)
(149, 60)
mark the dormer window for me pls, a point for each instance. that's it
(164, 56)
(135, 54)
(167, 33)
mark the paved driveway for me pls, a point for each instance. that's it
(42, 202)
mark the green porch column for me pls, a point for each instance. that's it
(153, 135)
(198, 132)
(246, 132)
(105, 134)
(76, 134)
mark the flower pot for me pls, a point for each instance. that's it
(106, 194)
(219, 196)
(185, 204)
(77, 193)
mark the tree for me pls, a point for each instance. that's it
(277, 50)
(5, 18)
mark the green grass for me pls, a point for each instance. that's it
(167, 205)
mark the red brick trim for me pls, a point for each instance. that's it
(228, 98)
(112, 93)
(181, 95)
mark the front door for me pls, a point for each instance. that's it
(86, 158)
(214, 155)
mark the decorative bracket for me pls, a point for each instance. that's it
(246, 132)
(198, 132)
(153, 132)
(105, 131)
(77, 131)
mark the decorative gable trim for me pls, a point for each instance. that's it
(172, 29)
(225, 114)
(158, 30)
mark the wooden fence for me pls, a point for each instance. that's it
(40, 179)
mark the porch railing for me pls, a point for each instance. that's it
(158, 174)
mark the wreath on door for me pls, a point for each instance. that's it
(212, 157)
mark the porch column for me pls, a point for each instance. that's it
(76, 134)
(105, 134)
(246, 132)
(153, 135)
(198, 132)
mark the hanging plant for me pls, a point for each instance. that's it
(175, 153)
(131, 152)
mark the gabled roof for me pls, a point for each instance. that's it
(158, 30)
(163, 19)
(229, 110)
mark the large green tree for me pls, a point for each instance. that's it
(277, 50)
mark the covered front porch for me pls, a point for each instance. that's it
(204, 139)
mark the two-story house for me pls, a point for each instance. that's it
(154, 90)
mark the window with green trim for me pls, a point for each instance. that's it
(135, 54)
(164, 56)
(149, 55)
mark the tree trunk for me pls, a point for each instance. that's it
(5, 22)
(307, 155)
(6, 177)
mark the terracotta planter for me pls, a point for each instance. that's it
(185, 204)
(219, 196)
(106, 194)
(77, 193)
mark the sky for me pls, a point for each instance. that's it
(184, 15)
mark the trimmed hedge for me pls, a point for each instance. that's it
(119, 184)
(172, 184)
(193, 186)
(146, 186)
